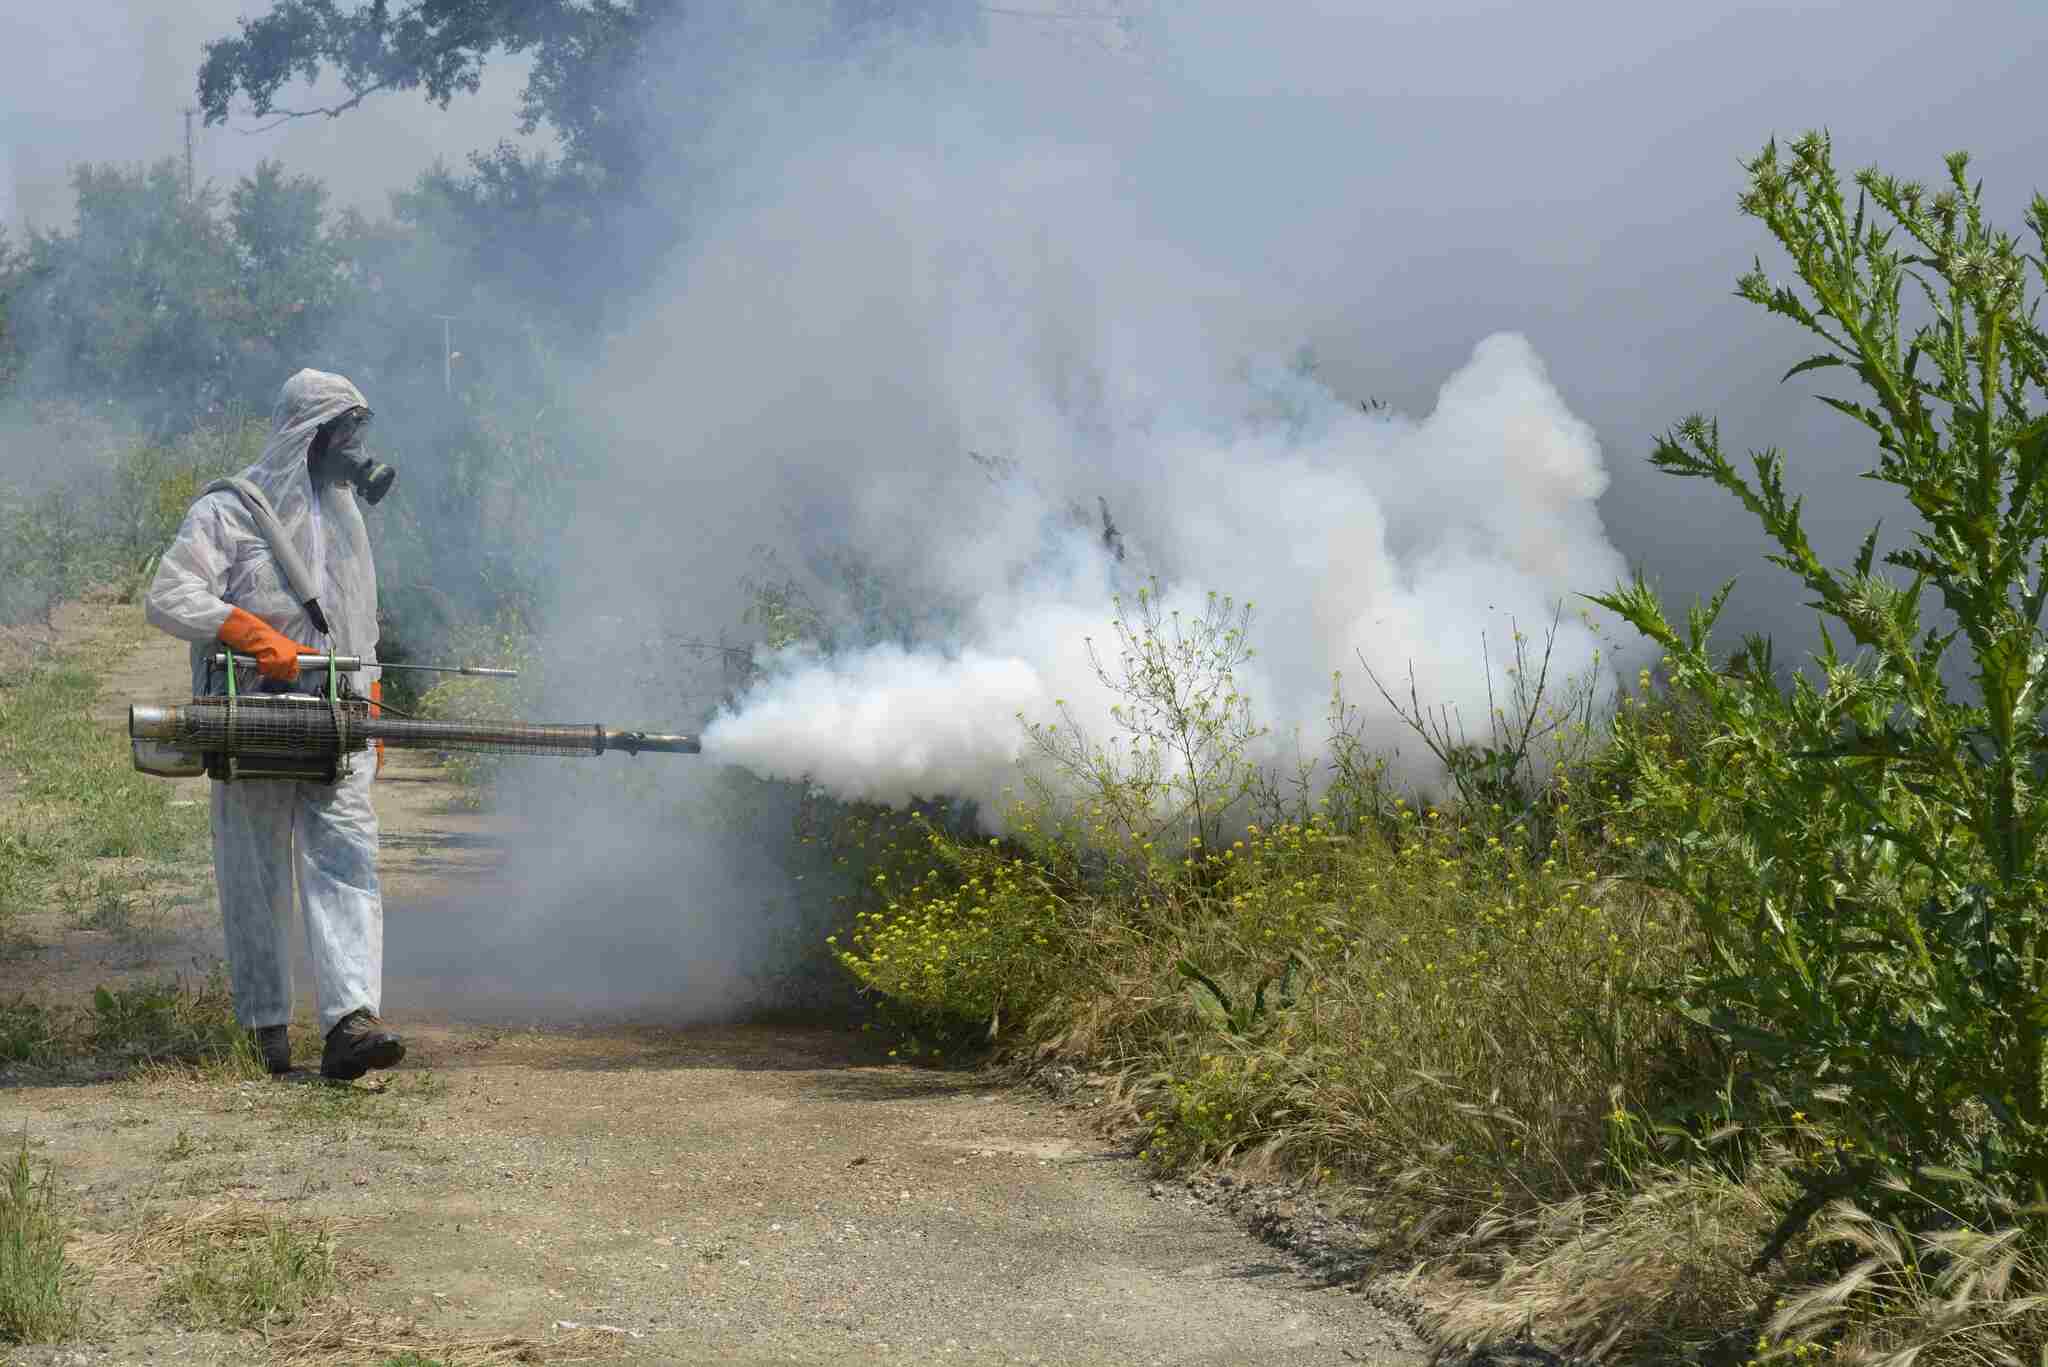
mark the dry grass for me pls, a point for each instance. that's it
(1656, 1274)
(1956, 1295)
(159, 1246)
(346, 1338)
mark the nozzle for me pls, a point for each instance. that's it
(147, 721)
(633, 742)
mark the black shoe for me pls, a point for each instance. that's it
(357, 1043)
(274, 1046)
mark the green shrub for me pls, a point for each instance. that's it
(969, 939)
(1178, 768)
(1436, 996)
(1863, 851)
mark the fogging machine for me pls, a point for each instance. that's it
(312, 737)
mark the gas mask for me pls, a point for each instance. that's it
(338, 456)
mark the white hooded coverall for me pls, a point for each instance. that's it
(267, 832)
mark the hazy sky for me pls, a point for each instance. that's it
(1570, 171)
(1425, 175)
(105, 80)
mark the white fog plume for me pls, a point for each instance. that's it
(1355, 536)
(925, 266)
(932, 305)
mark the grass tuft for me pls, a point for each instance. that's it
(38, 1291)
(168, 1022)
(249, 1274)
(1657, 1272)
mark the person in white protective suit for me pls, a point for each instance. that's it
(222, 583)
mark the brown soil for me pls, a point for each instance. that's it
(744, 1193)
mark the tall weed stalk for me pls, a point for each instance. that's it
(1863, 849)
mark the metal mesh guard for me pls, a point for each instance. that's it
(267, 724)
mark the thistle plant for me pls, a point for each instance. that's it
(1863, 850)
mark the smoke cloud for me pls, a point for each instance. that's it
(931, 323)
(936, 322)
(1386, 542)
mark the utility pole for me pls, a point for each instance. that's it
(447, 355)
(189, 111)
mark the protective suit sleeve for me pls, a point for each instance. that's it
(185, 596)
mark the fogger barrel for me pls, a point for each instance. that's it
(299, 736)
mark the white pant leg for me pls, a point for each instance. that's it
(339, 893)
(252, 869)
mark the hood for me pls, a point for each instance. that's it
(308, 400)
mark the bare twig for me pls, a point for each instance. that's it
(285, 116)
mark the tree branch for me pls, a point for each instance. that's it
(285, 116)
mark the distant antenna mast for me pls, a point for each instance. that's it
(188, 111)
(447, 351)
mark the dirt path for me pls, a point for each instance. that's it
(731, 1194)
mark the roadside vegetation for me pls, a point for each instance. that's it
(1708, 1026)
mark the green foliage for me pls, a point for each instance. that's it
(583, 82)
(31, 1034)
(1178, 768)
(39, 1290)
(10, 281)
(1393, 992)
(1863, 851)
(88, 800)
(967, 939)
(1242, 1016)
(136, 292)
(50, 549)
(168, 1022)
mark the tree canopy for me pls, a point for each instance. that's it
(587, 80)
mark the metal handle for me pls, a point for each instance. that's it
(350, 664)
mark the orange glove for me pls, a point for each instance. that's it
(277, 655)
(376, 697)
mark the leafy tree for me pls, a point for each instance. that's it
(176, 300)
(1865, 851)
(290, 284)
(599, 79)
(588, 80)
(137, 301)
